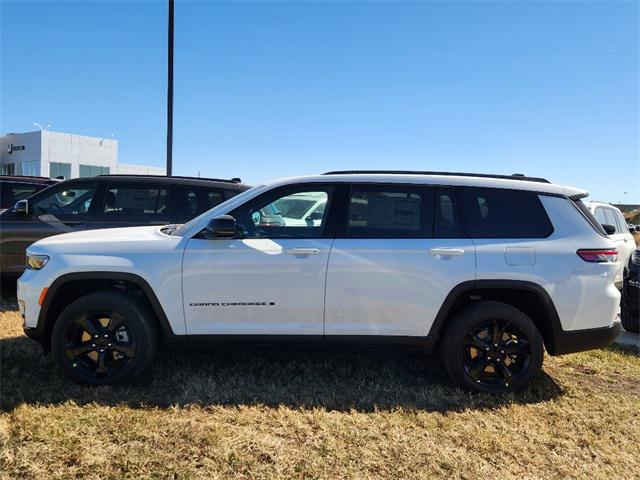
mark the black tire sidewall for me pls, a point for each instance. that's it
(471, 317)
(630, 319)
(137, 318)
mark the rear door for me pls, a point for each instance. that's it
(397, 255)
(127, 204)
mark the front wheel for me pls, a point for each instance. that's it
(492, 347)
(104, 338)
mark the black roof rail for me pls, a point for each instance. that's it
(226, 180)
(35, 177)
(515, 176)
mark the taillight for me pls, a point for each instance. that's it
(598, 255)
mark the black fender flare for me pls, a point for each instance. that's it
(555, 331)
(39, 333)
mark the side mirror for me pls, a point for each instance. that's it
(21, 208)
(609, 229)
(316, 216)
(223, 226)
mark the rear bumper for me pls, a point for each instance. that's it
(572, 341)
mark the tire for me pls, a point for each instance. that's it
(104, 338)
(630, 319)
(470, 356)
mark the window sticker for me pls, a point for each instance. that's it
(390, 212)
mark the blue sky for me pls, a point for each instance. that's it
(270, 89)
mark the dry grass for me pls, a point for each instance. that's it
(266, 414)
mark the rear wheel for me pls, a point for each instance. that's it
(104, 338)
(492, 347)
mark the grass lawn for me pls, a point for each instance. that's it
(270, 414)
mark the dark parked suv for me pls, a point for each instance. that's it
(104, 202)
(630, 308)
(14, 188)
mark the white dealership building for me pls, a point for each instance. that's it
(55, 154)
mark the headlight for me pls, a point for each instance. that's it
(36, 262)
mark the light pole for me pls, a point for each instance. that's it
(170, 91)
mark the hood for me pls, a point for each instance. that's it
(108, 241)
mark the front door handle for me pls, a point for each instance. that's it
(303, 251)
(446, 252)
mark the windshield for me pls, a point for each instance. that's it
(240, 198)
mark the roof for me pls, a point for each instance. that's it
(440, 178)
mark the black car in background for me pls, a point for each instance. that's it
(630, 308)
(14, 188)
(105, 201)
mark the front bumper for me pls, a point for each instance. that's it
(572, 341)
(29, 289)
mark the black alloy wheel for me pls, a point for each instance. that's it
(99, 344)
(491, 347)
(496, 354)
(104, 338)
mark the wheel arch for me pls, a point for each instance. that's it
(527, 296)
(71, 286)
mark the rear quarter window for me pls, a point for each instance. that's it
(498, 213)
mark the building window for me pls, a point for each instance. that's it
(29, 168)
(7, 169)
(60, 170)
(92, 171)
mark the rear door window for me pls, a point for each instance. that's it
(499, 213)
(199, 200)
(390, 212)
(135, 200)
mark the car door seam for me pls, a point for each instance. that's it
(324, 301)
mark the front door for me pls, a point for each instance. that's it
(395, 261)
(268, 281)
(58, 209)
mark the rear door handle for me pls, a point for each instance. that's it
(446, 252)
(303, 251)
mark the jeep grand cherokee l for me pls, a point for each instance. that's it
(488, 270)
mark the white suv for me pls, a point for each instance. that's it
(488, 270)
(611, 217)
